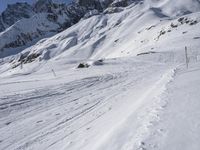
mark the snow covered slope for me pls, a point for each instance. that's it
(22, 24)
(176, 122)
(77, 109)
(116, 80)
(135, 29)
(175, 7)
(23, 28)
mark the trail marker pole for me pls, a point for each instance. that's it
(21, 65)
(20, 59)
(53, 72)
(186, 57)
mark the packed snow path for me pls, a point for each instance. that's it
(178, 126)
(79, 109)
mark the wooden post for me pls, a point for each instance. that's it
(186, 57)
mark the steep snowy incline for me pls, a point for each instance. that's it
(78, 107)
(45, 16)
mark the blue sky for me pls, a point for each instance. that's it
(3, 3)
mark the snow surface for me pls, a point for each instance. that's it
(76, 106)
(140, 97)
(177, 123)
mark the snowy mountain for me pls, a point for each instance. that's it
(127, 31)
(41, 20)
(46, 18)
(14, 13)
(101, 75)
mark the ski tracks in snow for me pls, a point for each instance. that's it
(83, 113)
(131, 133)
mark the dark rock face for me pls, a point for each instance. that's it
(15, 12)
(94, 4)
(122, 3)
(1, 24)
(104, 4)
(83, 65)
(90, 4)
(43, 6)
(22, 39)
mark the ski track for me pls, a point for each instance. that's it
(133, 96)
(50, 115)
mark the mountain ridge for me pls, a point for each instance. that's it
(49, 18)
(58, 16)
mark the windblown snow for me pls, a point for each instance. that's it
(113, 81)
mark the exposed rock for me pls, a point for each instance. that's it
(101, 5)
(83, 65)
(28, 58)
(91, 13)
(44, 6)
(89, 4)
(2, 27)
(15, 12)
(111, 10)
(119, 3)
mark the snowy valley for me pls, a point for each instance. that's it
(100, 75)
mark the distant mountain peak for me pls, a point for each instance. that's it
(42, 5)
(15, 12)
(22, 23)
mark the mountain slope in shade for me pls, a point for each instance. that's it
(14, 13)
(47, 19)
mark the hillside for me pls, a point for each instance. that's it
(22, 24)
(116, 79)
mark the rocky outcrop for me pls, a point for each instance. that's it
(96, 7)
(14, 13)
(104, 4)
(2, 27)
(44, 6)
(95, 4)
(119, 3)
